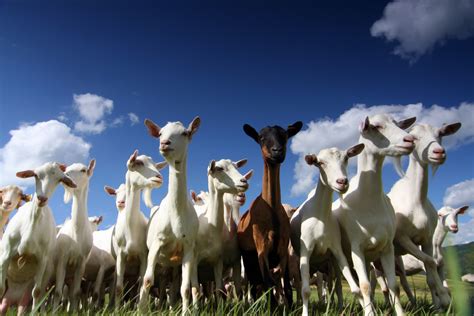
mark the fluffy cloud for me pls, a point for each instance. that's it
(32, 145)
(418, 25)
(133, 118)
(92, 108)
(342, 132)
(460, 194)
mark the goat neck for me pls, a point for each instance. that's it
(271, 184)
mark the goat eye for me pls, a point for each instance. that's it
(219, 169)
(83, 170)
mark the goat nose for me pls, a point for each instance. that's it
(439, 150)
(409, 139)
(277, 149)
(7, 203)
(243, 180)
(342, 181)
(165, 142)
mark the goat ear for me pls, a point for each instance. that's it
(153, 129)
(250, 131)
(110, 190)
(311, 159)
(248, 175)
(25, 174)
(133, 157)
(365, 125)
(212, 166)
(240, 163)
(194, 196)
(404, 124)
(91, 167)
(462, 209)
(161, 165)
(449, 129)
(193, 126)
(26, 197)
(355, 150)
(98, 219)
(68, 182)
(294, 128)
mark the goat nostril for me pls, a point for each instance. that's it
(439, 151)
(165, 142)
(7, 203)
(243, 180)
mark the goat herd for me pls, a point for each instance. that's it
(195, 247)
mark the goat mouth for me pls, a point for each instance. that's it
(165, 150)
(406, 147)
(157, 180)
(437, 160)
(341, 188)
(242, 187)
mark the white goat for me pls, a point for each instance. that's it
(11, 197)
(230, 247)
(416, 217)
(365, 215)
(129, 239)
(223, 177)
(74, 239)
(30, 239)
(447, 222)
(173, 229)
(315, 234)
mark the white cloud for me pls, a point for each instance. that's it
(92, 108)
(62, 117)
(133, 118)
(31, 145)
(460, 194)
(342, 132)
(418, 25)
(117, 121)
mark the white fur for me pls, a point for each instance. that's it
(365, 215)
(30, 239)
(173, 228)
(315, 232)
(416, 218)
(74, 239)
(10, 199)
(129, 240)
(223, 177)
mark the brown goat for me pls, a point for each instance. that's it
(264, 230)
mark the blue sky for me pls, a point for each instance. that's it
(231, 63)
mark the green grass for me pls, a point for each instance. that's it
(261, 306)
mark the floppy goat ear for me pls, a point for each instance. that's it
(251, 132)
(25, 174)
(153, 129)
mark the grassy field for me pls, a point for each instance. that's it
(351, 306)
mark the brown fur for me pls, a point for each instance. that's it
(264, 230)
